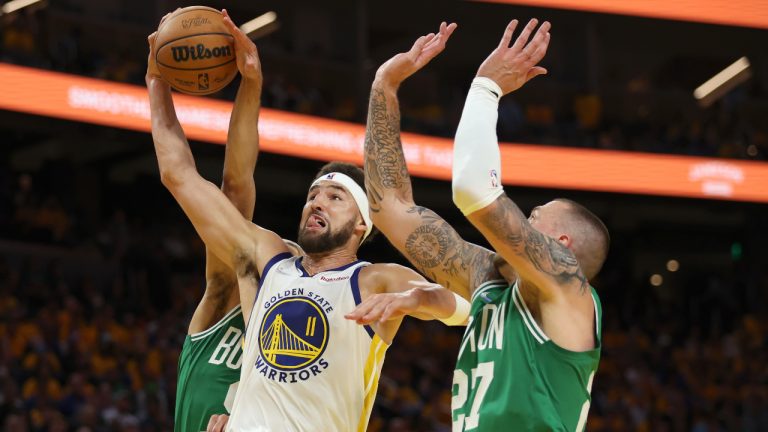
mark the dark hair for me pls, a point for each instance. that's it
(592, 253)
(356, 174)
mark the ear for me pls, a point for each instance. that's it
(565, 240)
(360, 226)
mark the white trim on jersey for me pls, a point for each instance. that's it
(205, 333)
(485, 286)
(531, 323)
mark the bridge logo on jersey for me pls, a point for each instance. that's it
(294, 334)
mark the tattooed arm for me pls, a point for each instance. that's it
(429, 243)
(536, 257)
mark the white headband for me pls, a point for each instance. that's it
(358, 194)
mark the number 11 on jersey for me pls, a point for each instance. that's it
(482, 376)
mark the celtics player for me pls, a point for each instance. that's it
(435, 248)
(210, 361)
(530, 352)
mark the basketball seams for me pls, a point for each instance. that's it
(195, 69)
(196, 35)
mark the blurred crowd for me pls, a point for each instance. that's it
(641, 121)
(94, 310)
(92, 319)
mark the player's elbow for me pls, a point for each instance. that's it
(236, 185)
(174, 173)
(469, 195)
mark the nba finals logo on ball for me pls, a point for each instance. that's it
(195, 52)
(292, 339)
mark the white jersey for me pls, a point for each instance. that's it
(306, 367)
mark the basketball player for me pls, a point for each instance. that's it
(209, 365)
(532, 348)
(495, 330)
(305, 367)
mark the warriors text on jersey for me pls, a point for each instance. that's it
(209, 369)
(511, 376)
(306, 367)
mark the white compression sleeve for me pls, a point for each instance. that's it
(460, 314)
(476, 158)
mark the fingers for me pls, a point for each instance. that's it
(211, 423)
(420, 43)
(165, 17)
(524, 35)
(232, 28)
(388, 313)
(534, 72)
(541, 50)
(363, 309)
(506, 38)
(217, 423)
(438, 42)
(540, 40)
(375, 313)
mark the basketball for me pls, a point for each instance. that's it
(194, 51)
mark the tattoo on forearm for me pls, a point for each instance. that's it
(436, 249)
(385, 166)
(545, 253)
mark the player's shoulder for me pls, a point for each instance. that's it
(386, 270)
(380, 277)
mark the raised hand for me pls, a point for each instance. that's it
(245, 51)
(403, 65)
(152, 71)
(513, 66)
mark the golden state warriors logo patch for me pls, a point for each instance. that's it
(292, 339)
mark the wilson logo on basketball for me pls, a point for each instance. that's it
(199, 52)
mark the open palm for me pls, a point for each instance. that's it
(513, 66)
(427, 47)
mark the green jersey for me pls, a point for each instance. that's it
(511, 377)
(209, 370)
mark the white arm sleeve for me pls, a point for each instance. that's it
(476, 158)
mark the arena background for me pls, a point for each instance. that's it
(100, 270)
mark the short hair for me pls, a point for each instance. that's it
(356, 174)
(592, 252)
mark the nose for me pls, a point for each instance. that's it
(319, 202)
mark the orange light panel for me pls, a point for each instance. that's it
(126, 106)
(743, 13)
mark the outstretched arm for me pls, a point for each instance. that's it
(477, 167)
(242, 149)
(392, 291)
(242, 246)
(429, 243)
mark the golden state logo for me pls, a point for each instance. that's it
(292, 339)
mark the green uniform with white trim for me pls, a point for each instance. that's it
(511, 377)
(209, 371)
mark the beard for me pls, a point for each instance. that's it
(326, 241)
